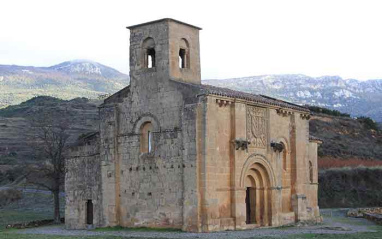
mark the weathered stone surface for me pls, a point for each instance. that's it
(184, 169)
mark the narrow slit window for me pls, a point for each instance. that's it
(149, 136)
(146, 138)
(150, 58)
(310, 172)
(182, 58)
(89, 212)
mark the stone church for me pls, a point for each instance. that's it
(172, 152)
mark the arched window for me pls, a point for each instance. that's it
(148, 48)
(146, 138)
(184, 54)
(310, 172)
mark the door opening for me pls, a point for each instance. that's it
(250, 202)
(89, 212)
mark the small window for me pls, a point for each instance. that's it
(146, 138)
(149, 136)
(182, 58)
(150, 60)
(310, 172)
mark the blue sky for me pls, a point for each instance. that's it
(239, 38)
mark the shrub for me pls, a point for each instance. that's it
(326, 111)
(9, 195)
(350, 187)
(368, 123)
(14, 173)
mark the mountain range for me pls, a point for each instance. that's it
(67, 80)
(358, 98)
(82, 78)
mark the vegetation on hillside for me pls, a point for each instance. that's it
(326, 111)
(345, 137)
(346, 187)
(368, 123)
(20, 109)
(350, 159)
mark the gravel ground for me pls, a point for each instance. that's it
(337, 224)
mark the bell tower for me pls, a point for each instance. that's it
(164, 49)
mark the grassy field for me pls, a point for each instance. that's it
(32, 206)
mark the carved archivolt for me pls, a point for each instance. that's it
(257, 127)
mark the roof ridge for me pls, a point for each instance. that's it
(227, 92)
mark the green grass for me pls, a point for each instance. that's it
(33, 206)
(348, 220)
(11, 217)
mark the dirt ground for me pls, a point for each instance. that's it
(335, 223)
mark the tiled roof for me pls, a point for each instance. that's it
(214, 90)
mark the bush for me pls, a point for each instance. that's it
(8, 196)
(368, 123)
(350, 187)
(14, 173)
(326, 111)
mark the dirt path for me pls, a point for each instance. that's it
(335, 223)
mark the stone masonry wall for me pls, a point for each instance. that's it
(224, 197)
(83, 183)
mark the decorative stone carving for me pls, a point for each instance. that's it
(241, 144)
(222, 102)
(305, 116)
(257, 126)
(283, 112)
(277, 147)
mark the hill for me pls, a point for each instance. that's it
(349, 96)
(15, 128)
(67, 80)
(346, 138)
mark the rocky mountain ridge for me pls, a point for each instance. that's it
(83, 78)
(350, 96)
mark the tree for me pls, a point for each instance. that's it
(49, 145)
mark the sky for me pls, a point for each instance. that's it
(239, 38)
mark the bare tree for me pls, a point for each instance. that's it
(49, 145)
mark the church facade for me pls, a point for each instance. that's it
(172, 152)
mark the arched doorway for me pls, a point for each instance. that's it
(257, 182)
